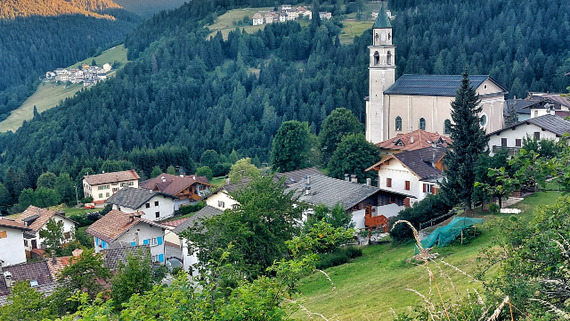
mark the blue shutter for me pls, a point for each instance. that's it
(104, 244)
(145, 242)
(161, 258)
(159, 239)
(96, 241)
(133, 243)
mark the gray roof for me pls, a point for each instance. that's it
(298, 175)
(36, 271)
(551, 123)
(131, 197)
(330, 191)
(383, 21)
(115, 256)
(203, 214)
(420, 161)
(236, 186)
(435, 85)
(521, 106)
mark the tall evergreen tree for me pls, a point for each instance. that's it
(468, 142)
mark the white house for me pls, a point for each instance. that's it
(101, 186)
(542, 127)
(154, 205)
(221, 198)
(36, 218)
(257, 19)
(12, 249)
(416, 172)
(118, 229)
(184, 189)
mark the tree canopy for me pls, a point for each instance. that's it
(291, 146)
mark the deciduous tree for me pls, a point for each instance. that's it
(338, 124)
(291, 146)
(354, 155)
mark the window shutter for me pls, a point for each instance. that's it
(435, 191)
(145, 242)
(161, 257)
(159, 239)
(407, 202)
(133, 243)
(425, 187)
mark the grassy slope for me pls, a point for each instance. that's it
(368, 287)
(50, 95)
(225, 22)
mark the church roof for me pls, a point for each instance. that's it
(414, 140)
(383, 21)
(434, 85)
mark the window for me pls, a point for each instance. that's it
(153, 241)
(26, 243)
(100, 195)
(107, 194)
(155, 203)
(503, 142)
(447, 127)
(389, 58)
(483, 120)
(131, 183)
(388, 182)
(157, 214)
(407, 185)
(102, 187)
(3, 234)
(147, 205)
(422, 124)
(536, 113)
(537, 135)
(221, 204)
(518, 142)
(67, 235)
(398, 123)
(154, 258)
(376, 58)
(428, 188)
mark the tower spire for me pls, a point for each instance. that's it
(382, 21)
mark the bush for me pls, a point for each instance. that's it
(338, 257)
(493, 208)
(187, 209)
(430, 207)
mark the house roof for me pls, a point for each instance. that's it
(203, 214)
(131, 197)
(4, 222)
(435, 85)
(35, 271)
(418, 161)
(115, 256)
(35, 217)
(116, 223)
(521, 106)
(551, 123)
(174, 223)
(330, 191)
(414, 140)
(236, 186)
(382, 21)
(298, 175)
(555, 98)
(113, 177)
(172, 184)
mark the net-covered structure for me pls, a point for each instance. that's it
(444, 235)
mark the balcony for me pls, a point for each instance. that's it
(512, 150)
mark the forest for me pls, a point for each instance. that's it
(187, 93)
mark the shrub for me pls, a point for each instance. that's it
(493, 208)
(187, 209)
(430, 207)
(338, 257)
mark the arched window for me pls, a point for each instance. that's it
(422, 124)
(389, 58)
(398, 123)
(376, 58)
(447, 127)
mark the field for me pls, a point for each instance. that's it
(352, 28)
(370, 286)
(228, 21)
(49, 95)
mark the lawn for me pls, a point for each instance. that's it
(352, 28)
(370, 286)
(229, 21)
(49, 95)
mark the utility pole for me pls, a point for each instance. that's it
(76, 195)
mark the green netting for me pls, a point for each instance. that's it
(444, 235)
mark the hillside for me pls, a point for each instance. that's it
(10, 9)
(147, 8)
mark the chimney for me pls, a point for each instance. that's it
(353, 178)
(411, 139)
(163, 179)
(193, 176)
(307, 184)
(369, 181)
(346, 177)
(227, 180)
(8, 278)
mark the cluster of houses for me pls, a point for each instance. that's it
(88, 75)
(287, 13)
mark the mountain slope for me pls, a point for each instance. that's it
(10, 9)
(147, 8)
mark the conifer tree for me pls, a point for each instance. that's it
(468, 142)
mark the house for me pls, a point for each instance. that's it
(189, 259)
(302, 11)
(298, 175)
(101, 186)
(417, 101)
(155, 205)
(521, 107)
(549, 104)
(354, 197)
(221, 198)
(257, 19)
(415, 172)
(271, 17)
(119, 229)
(542, 127)
(416, 139)
(325, 15)
(184, 189)
(36, 218)
(36, 273)
(12, 250)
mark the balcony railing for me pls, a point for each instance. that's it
(512, 150)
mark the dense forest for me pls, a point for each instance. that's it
(10, 9)
(31, 46)
(186, 93)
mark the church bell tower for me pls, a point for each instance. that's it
(382, 75)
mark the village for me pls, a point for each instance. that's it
(287, 13)
(88, 75)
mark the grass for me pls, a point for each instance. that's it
(218, 181)
(225, 22)
(352, 28)
(49, 95)
(370, 286)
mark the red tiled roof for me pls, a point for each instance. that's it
(113, 177)
(13, 224)
(44, 216)
(174, 223)
(116, 223)
(414, 140)
(172, 184)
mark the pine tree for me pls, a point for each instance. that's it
(468, 142)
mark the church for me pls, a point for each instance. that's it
(418, 101)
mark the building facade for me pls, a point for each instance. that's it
(101, 186)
